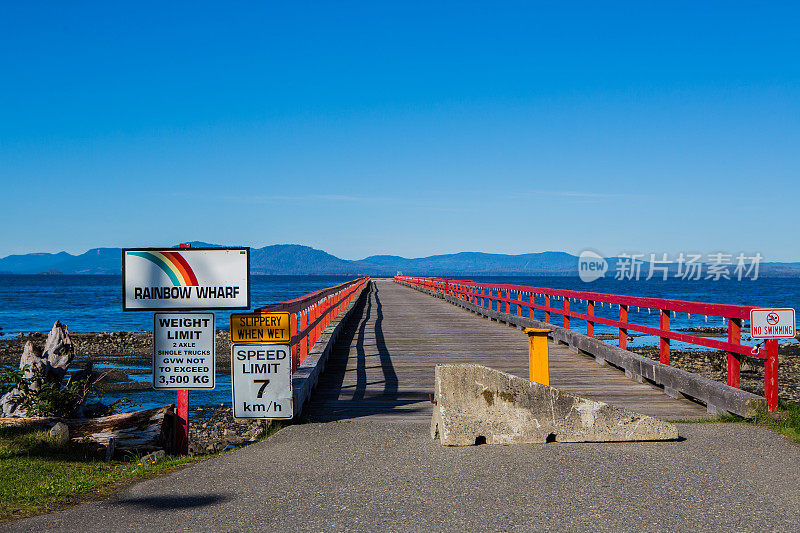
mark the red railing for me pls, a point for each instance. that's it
(496, 296)
(311, 313)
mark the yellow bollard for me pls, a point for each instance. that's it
(538, 356)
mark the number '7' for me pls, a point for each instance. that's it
(261, 389)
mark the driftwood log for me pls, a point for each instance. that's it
(141, 430)
(47, 365)
(151, 428)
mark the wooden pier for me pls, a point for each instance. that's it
(382, 364)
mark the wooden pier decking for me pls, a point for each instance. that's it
(383, 362)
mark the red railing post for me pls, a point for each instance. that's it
(483, 300)
(623, 332)
(519, 303)
(566, 310)
(315, 329)
(508, 301)
(771, 374)
(322, 316)
(547, 308)
(303, 335)
(293, 339)
(325, 314)
(734, 365)
(589, 323)
(664, 346)
(310, 329)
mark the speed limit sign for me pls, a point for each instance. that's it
(261, 380)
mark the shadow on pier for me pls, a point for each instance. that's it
(360, 378)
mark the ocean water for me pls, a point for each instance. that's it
(94, 303)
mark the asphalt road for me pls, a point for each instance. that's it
(378, 476)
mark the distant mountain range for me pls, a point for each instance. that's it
(295, 259)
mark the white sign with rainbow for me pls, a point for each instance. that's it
(187, 278)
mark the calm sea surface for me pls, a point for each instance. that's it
(94, 303)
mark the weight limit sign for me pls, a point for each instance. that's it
(183, 351)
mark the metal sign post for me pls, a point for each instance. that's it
(182, 408)
(772, 324)
(160, 279)
(183, 359)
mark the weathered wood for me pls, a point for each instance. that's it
(48, 365)
(382, 364)
(141, 430)
(718, 397)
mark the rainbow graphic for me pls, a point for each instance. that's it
(174, 265)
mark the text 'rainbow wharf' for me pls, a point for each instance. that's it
(183, 293)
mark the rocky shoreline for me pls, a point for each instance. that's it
(213, 428)
(713, 365)
(130, 347)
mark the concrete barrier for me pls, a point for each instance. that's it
(476, 404)
(719, 398)
(306, 377)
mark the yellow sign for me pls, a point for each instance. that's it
(260, 328)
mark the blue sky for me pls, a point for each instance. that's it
(401, 128)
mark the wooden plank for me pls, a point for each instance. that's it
(382, 363)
